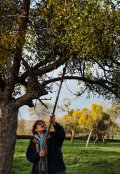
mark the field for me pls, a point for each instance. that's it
(97, 159)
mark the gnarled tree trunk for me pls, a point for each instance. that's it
(7, 137)
(9, 110)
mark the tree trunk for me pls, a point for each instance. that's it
(72, 137)
(103, 140)
(108, 136)
(112, 137)
(7, 137)
(88, 139)
(96, 139)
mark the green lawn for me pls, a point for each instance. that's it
(97, 159)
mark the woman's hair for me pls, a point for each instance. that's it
(34, 126)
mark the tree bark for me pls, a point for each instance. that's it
(7, 105)
(103, 139)
(72, 137)
(96, 139)
(7, 137)
(88, 139)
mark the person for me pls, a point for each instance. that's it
(49, 160)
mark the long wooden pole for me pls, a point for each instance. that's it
(61, 81)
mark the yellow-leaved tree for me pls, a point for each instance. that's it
(70, 122)
(96, 121)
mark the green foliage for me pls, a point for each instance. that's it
(83, 33)
(83, 27)
(10, 10)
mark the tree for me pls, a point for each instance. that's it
(100, 123)
(114, 113)
(114, 110)
(32, 46)
(70, 122)
(85, 31)
(101, 127)
(40, 111)
(94, 121)
(113, 129)
(86, 121)
(21, 125)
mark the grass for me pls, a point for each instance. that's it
(97, 159)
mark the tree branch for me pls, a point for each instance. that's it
(50, 67)
(37, 66)
(43, 103)
(34, 91)
(100, 82)
(43, 70)
(18, 51)
(27, 98)
(103, 67)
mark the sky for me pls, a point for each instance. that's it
(80, 102)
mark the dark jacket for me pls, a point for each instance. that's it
(55, 161)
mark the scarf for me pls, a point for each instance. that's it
(41, 140)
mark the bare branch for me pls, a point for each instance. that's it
(43, 103)
(46, 98)
(101, 82)
(77, 78)
(103, 68)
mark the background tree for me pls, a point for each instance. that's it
(94, 121)
(40, 111)
(113, 129)
(21, 125)
(86, 122)
(114, 111)
(101, 127)
(70, 122)
(83, 34)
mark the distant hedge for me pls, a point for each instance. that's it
(68, 138)
(24, 136)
